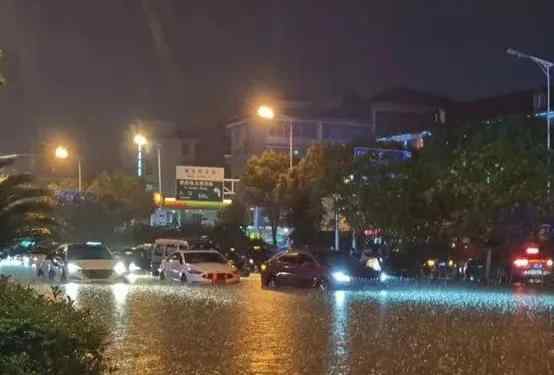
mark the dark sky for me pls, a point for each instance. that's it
(97, 65)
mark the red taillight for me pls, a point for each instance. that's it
(532, 250)
(521, 262)
(549, 263)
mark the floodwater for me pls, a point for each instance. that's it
(169, 328)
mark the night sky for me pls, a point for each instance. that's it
(95, 66)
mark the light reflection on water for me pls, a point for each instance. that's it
(171, 328)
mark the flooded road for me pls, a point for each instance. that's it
(169, 328)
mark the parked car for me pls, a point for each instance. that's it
(162, 249)
(137, 258)
(199, 266)
(90, 261)
(323, 270)
(528, 262)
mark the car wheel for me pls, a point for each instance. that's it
(184, 277)
(162, 275)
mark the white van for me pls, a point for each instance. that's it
(164, 247)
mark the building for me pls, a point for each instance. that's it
(250, 135)
(405, 116)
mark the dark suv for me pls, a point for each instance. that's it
(305, 269)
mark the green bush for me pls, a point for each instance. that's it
(47, 334)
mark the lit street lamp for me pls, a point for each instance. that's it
(140, 140)
(545, 67)
(61, 152)
(267, 113)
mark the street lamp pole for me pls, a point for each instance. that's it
(290, 143)
(267, 112)
(545, 67)
(80, 175)
(160, 170)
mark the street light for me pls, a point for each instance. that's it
(545, 67)
(140, 140)
(61, 152)
(267, 113)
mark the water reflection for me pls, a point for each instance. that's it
(339, 350)
(72, 292)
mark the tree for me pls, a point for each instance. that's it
(125, 195)
(25, 210)
(318, 176)
(115, 200)
(264, 183)
(230, 223)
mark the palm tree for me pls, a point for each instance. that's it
(25, 209)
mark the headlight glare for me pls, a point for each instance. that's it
(72, 268)
(341, 277)
(120, 268)
(133, 267)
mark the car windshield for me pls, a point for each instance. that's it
(204, 257)
(88, 252)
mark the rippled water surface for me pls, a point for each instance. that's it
(168, 328)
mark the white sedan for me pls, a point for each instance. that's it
(199, 266)
(90, 261)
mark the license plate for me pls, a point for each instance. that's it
(534, 272)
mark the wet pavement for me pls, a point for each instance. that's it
(169, 328)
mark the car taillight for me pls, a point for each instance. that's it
(521, 262)
(532, 250)
(549, 263)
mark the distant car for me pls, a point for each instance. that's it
(199, 266)
(88, 261)
(137, 258)
(528, 262)
(38, 256)
(304, 269)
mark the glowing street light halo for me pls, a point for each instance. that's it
(265, 111)
(140, 139)
(61, 152)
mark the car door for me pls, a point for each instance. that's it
(307, 270)
(288, 270)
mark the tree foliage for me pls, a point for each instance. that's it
(116, 200)
(25, 209)
(467, 182)
(264, 185)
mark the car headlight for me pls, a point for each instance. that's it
(341, 277)
(120, 268)
(72, 268)
(374, 264)
(263, 267)
(133, 267)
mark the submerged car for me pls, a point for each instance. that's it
(90, 261)
(527, 263)
(199, 266)
(304, 269)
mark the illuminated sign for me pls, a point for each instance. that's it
(204, 184)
